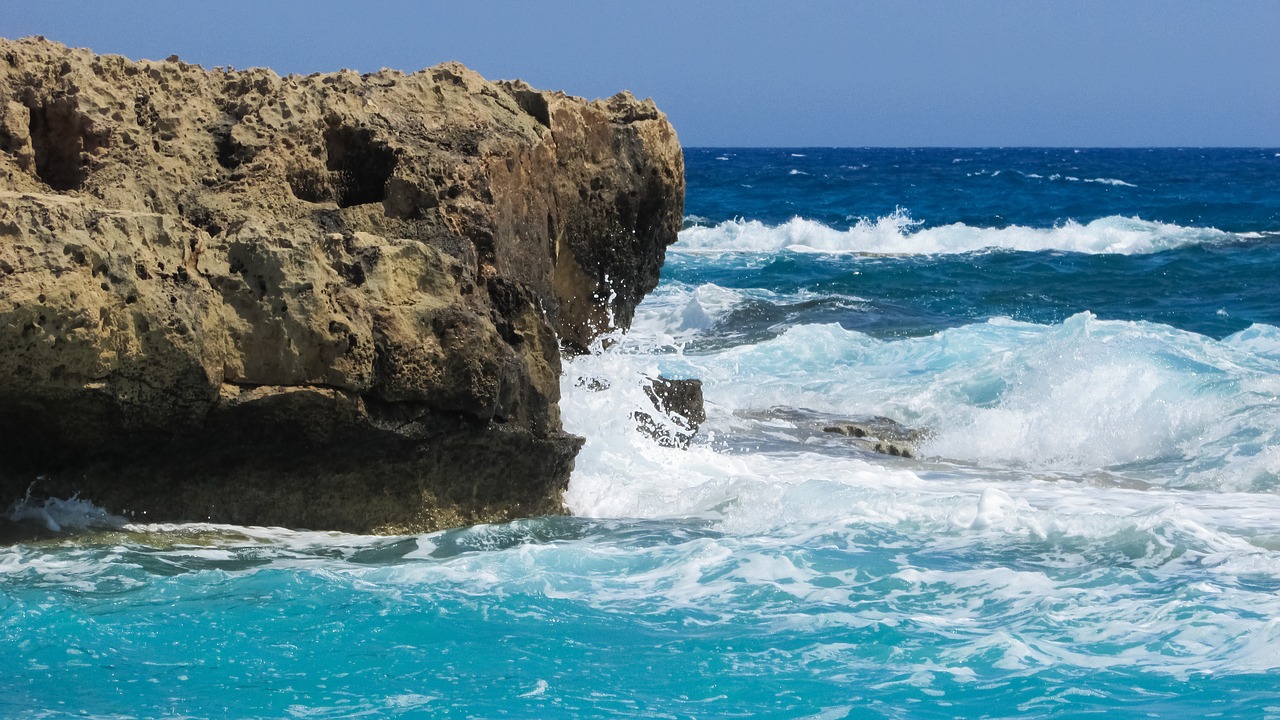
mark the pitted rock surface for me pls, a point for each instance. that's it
(334, 301)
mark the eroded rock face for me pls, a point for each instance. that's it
(333, 301)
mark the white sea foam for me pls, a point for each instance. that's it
(1087, 406)
(1257, 339)
(676, 312)
(685, 310)
(898, 233)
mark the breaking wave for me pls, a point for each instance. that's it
(900, 234)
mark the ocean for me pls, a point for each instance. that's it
(1081, 348)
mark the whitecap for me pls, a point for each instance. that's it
(1110, 181)
(539, 689)
(899, 233)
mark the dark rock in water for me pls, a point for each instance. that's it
(889, 448)
(13, 532)
(848, 429)
(682, 405)
(335, 301)
(882, 435)
(682, 398)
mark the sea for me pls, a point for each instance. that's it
(1075, 354)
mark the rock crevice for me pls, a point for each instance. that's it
(332, 301)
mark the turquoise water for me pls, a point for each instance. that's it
(1091, 525)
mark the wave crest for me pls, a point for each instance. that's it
(899, 234)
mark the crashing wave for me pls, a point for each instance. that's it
(899, 234)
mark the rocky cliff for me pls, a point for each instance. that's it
(333, 301)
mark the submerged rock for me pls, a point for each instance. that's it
(683, 409)
(881, 434)
(334, 301)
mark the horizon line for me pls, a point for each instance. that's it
(982, 147)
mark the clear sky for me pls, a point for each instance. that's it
(880, 72)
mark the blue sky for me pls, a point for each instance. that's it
(888, 73)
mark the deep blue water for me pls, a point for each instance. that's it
(1213, 288)
(1090, 341)
(1230, 189)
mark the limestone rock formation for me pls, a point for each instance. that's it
(332, 301)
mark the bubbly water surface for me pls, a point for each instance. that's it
(1088, 340)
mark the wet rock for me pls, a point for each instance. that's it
(682, 407)
(881, 434)
(335, 301)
